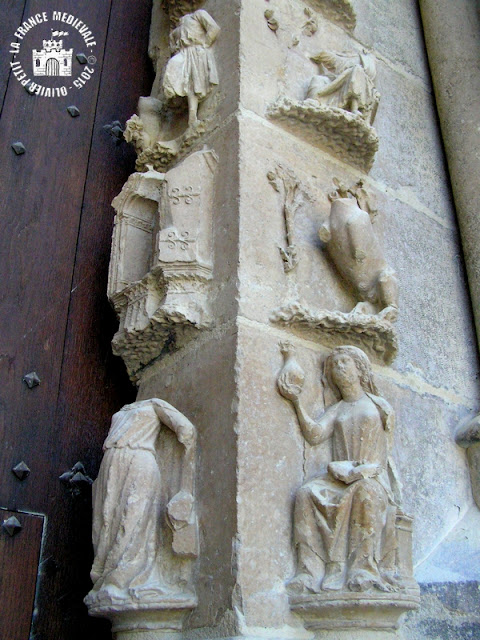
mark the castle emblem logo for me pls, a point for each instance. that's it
(65, 62)
(53, 59)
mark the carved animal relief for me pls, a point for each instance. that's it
(352, 539)
(162, 261)
(144, 520)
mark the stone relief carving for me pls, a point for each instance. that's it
(178, 8)
(286, 184)
(272, 22)
(310, 27)
(144, 521)
(346, 82)
(468, 437)
(190, 74)
(351, 244)
(377, 337)
(161, 262)
(353, 247)
(338, 11)
(352, 539)
(339, 109)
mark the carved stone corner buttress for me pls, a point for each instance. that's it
(145, 533)
(339, 11)
(339, 109)
(352, 538)
(159, 131)
(468, 437)
(162, 258)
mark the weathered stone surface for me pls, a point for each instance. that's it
(339, 11)
(253, 460)
(162, 258)
(346, 135)
(141, 573)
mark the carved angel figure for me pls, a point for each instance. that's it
(191, 71)
(353, 247)
(127, 506)
(344, 519)
(347, 82)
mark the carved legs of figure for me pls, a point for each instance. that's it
(387, 292)
(341, 531)
(149, 112)
(192, 109)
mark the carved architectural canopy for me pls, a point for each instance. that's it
(162, 258)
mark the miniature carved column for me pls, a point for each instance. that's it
(451, 37)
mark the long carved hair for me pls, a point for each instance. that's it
(363, 366)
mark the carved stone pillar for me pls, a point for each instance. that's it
(453, 47)
(230, 242)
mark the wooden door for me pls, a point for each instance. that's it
(55, 230)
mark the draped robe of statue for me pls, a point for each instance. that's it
(192, 69)
(352, 524)
(350, 85)
(127, 507)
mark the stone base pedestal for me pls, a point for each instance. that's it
(376, 613)
(157, 621)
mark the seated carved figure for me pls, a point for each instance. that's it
(344, 519)
(347, 82)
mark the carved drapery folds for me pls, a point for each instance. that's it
(188, 78)
(145, 534)
(352, 539)
(161, 262)
(339, 107)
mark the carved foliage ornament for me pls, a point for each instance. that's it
(285, 183)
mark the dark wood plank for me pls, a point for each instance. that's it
(93, 382)
(18, 576)
(39, 222)
(12, 12)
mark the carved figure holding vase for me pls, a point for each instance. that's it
(344, 518)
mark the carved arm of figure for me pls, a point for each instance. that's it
(210, 26)
(290, 384)
(186, 434)
(348, 471)
(181, 515)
